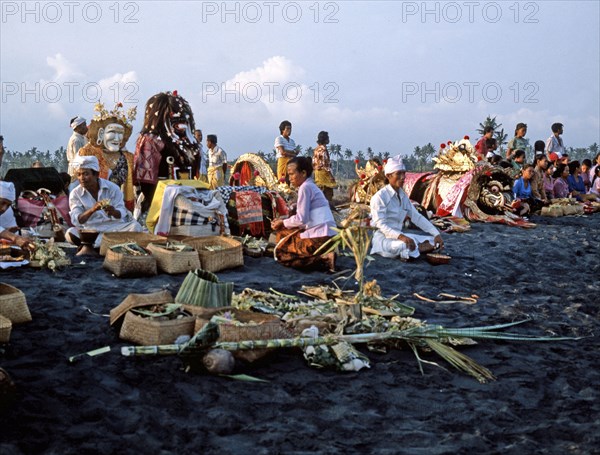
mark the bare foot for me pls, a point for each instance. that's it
(426, 247)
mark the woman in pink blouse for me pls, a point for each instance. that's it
(561, 186)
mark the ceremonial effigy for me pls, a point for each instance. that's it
(166, 147)
(108, 134)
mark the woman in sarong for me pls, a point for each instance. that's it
(322, 166)
(301, 235)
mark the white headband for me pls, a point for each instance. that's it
(394, 164)
(7, 191)
(87, 162)
(77, 121)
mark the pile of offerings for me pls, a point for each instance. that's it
(563, 207)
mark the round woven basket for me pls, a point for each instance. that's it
(13, 304)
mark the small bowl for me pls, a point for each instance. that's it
(438, 258)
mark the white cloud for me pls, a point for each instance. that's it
(63, 69)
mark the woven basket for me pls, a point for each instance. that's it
(257, 326)
(5, 328)
(115, 238)
(13, 304)
(214, 261)
(174, 262)
(138, 300)
(148, 331)
(123, 265)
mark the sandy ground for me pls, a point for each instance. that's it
(545, 398)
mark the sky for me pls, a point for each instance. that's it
(389, 75)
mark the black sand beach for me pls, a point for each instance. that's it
(545, 398)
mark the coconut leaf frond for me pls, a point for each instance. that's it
(461, 362)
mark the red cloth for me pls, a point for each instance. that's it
(411, 179)
(451, 199)
(246, 174)
(248, 205)
(147, 159)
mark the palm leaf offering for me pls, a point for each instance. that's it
(162, 311)
(355, 235)
(174, 246)
(130, 248)
(387, 326)
(48, 254)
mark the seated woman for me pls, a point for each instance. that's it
(299, 236)
(390, 207)
(548, 182)
(523, 191)
(7, 218)
(561, 187)
(595, 182)
(576, 183)
(97, 204)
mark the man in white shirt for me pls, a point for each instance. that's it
(97, 204)
(76, 141)
(217, 162)
(202, 169)
(390, 207)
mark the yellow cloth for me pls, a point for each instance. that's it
(216, 177)
(154, 211)
(324, 179)
(282, 167)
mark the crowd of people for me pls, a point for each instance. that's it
(551, 175)
(105, 177)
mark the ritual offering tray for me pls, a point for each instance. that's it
(174, 257)
(438, 258)
(129, 260)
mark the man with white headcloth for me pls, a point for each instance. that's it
(390, 207)
(7, 218)
(97, 204)
(76, 141)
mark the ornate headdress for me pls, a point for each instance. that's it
(459, 156)
(103, 118)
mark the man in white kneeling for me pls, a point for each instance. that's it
(97, 204)
(390, 207)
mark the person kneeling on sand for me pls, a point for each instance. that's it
(7, 218)
(301, 235)
(390, 207)
(97, 204)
